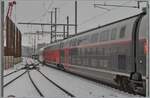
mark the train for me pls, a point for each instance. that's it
(114, 53)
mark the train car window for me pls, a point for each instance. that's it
(73, 51)
(106, 51)
(62, 55)
(61, 45)
(82, 51)
(113, 34)
(103, 51)
(121, 61)
(104, 36)
(94, 37)
(94, 51)
(107, 35)
(78, 51)
(122, 32)
(88, 51)
(100, 51)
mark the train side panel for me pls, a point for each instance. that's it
(103, 54)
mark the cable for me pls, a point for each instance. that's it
(52, 1)
(73, 0)
(94, 17)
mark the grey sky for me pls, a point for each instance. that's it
(88, 16)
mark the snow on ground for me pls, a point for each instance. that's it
(22, 87)
(17, 66)
(9, 71)
(47, 88)
(78, 86)
(81, 87)
(12, 76)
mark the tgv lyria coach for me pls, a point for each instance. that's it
(114, 53)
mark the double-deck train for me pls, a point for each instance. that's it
(114, 53)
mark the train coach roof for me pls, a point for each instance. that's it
(80, 33)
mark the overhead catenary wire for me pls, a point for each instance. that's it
(47, 11)
(84, 22)
(101, 14)
(104, 13)
(78, 0)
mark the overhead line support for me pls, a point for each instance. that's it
(76, 17)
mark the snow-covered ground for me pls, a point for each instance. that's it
(81, 87)
(22, 87)
(47, 88)
(17, 66)
(12, 76)
(78, 86)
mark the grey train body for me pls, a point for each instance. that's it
(105, 53)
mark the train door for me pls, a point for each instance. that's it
(62, 56)
(66, 63)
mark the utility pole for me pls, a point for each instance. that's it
(51, 26)
(75, 17)
(55, 23)
(34, 44)
(1, 46)
(64, 32)
(67, 26)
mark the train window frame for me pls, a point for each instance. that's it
(104, 35)
(122, 62)
(113, 34)
(122, 31)
(94, 37)
(94, 51)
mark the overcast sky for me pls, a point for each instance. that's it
(88, 15)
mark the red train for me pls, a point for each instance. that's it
(114, 53)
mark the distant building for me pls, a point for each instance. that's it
(33, 39)
(27, 51)
(41, 45)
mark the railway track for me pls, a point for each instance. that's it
(96, 81)
(12, 72)
(14, 79)
(65, 91)
(70, 94)
(37, 89)
(51, 81)
(38, 85)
